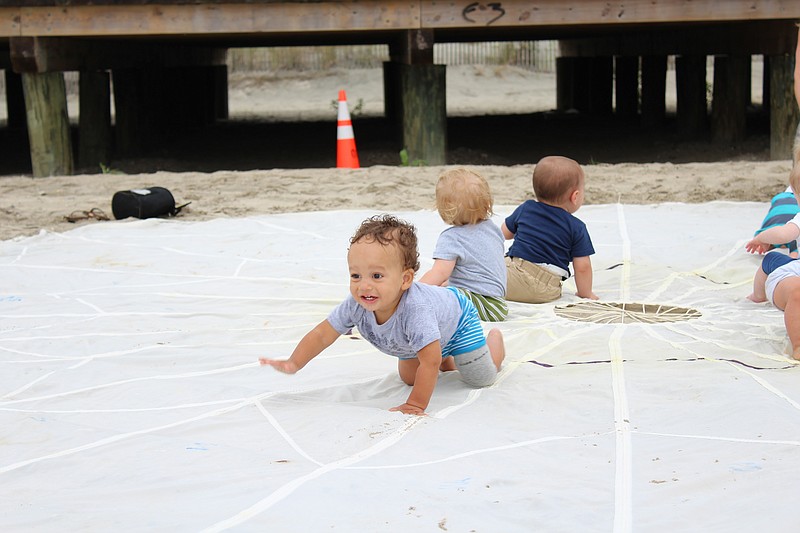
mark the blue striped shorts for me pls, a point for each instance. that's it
(469, 332)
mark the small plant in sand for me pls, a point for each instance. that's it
(404, 161)
(355, 111)
(105, 169)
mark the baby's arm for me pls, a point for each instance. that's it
(310, 346)
(440, 273)
(583, 277)
(506, 233)
(430, 357)
(777, 235)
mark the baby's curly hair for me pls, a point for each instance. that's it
(463, 197)
(390, 230)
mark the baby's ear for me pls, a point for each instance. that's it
(408, 278)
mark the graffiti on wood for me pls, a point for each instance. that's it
(477, 12)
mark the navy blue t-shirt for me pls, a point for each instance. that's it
(547, 234)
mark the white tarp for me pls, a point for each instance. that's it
(131, 398)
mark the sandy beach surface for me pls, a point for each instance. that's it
(29, 205)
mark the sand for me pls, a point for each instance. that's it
(33, 204)
(30, 205)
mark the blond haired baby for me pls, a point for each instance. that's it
(469, 254)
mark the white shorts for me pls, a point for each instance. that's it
(779, 274)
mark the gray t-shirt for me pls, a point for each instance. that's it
(478, 250)
(426, 313)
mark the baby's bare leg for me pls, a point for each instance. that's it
(759, 293)
(787, 297)
(791, 319)
(496, 346)
(407, 368)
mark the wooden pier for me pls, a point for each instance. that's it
(155, 51)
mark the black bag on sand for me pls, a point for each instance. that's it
(144, 203)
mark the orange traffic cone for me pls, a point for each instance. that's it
(346, 155)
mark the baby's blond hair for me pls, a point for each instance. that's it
(463, 197)
(794, 178)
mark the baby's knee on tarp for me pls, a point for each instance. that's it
(477, 368)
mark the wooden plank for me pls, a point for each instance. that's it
(784, 114)
(131, 20)
(424, 113)
(54, 54)
(510, 13)
(9, 21)
(214, 18)
(48, 124)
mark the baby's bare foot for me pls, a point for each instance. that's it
(796, 353)
(757, 299)
(448, 364)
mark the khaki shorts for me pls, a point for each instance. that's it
(530, 283)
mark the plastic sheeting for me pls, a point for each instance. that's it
(132, 398)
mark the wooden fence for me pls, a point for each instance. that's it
(532, 55)
(539, 56)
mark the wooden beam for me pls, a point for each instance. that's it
(509, 13)
(755, 37)
(414, 47)
(58, 54)
(79, 18)
(207, 18)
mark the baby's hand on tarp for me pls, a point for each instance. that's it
(285, 366)
(754, 246)
(408, 409)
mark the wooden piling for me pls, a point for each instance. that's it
(626, 73)
(94, 124)
(48, 123)
(424, 113)
(692, 98)
(654, 89)
(728, 111)
(784, 115)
